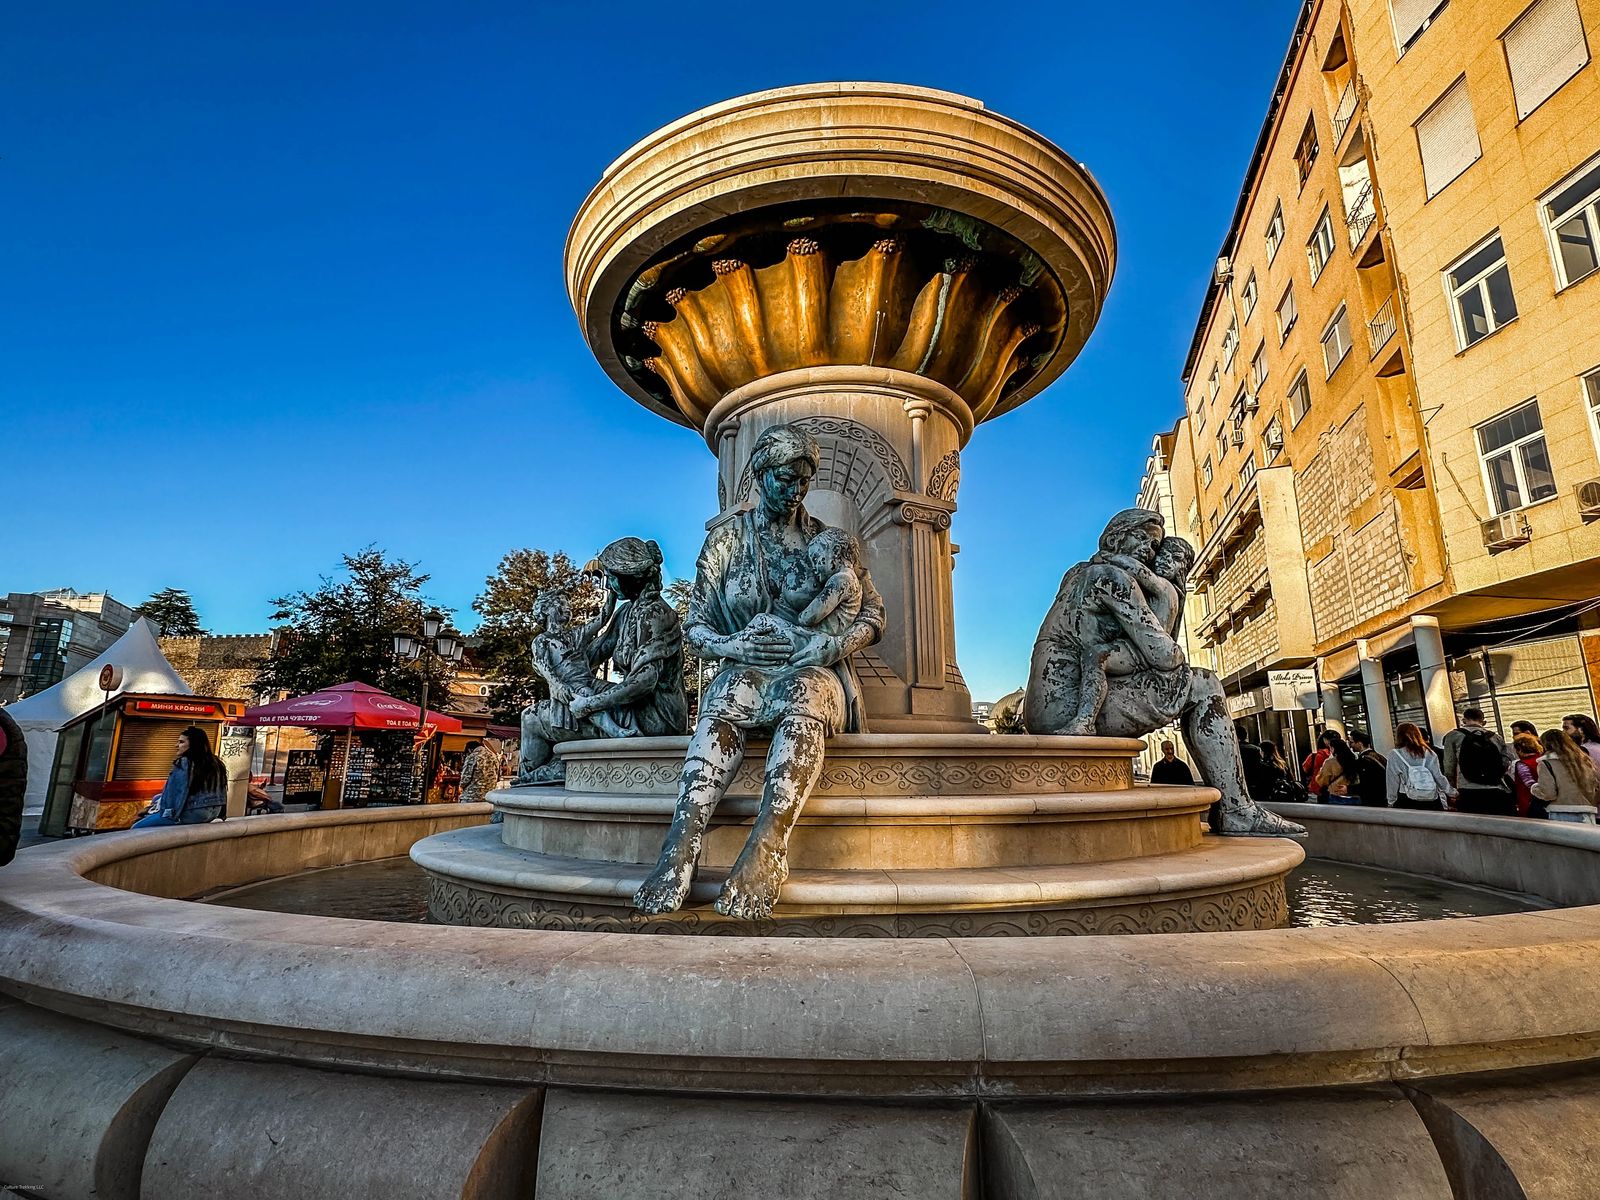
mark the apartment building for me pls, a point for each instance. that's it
(1373, 492)
(46, 636)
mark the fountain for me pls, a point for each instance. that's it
(729, 272)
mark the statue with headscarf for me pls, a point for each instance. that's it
(783, 672)
(642, 637)
(1107, 661)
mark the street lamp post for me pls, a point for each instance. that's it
(434, 643)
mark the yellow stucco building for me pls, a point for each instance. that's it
(1389, 457)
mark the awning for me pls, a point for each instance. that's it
(348, 706)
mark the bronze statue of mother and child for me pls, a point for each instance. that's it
(783, 601)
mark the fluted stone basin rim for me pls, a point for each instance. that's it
(1006, 1017)
(857, 140)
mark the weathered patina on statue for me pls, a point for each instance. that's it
(1107, 661)
(786, 668)
(640, 633)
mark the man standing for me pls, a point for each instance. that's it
(1171, 768)
(1476, 761)
(1372, 771)
(13, 785)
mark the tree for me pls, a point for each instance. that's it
(697, 672)
(508, 627)
(172, 610)
(345, 631)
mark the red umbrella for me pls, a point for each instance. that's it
(348, 706)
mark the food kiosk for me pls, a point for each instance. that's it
(112, 760)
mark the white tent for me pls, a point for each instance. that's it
(41, 716)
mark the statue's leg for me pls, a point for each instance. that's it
(715, 752)
(793, 765)
(1215, 747)
(1092, 689)
(535, 749)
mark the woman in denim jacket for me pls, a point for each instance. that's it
(197, 789)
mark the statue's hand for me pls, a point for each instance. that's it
(758, 646)
(582, 706)
(817, 650)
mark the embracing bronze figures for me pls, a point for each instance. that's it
(783, 601)
(1107, 661)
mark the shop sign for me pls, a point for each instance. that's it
(176, 708)
(1244, 704)
(1293, 689)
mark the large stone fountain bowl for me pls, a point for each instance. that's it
(914, 158)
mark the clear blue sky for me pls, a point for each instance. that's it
(285, 279)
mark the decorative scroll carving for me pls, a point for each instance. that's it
(1260, 906)
(922, 514)
(945, 477)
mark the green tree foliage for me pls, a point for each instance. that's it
(344, 630)
(504, 636)
(172, 610)
(697, 672)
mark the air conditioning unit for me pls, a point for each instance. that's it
(1589, 499)
(1274, 440)
(1252, 403)
(1505, 531)
(1238, 437)
(1224, 270)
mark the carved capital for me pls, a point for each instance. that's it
(922, 514)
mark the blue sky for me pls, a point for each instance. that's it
(285, 279)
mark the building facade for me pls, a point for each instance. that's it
(1392, 398)
(46, 636)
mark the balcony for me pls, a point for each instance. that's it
(1344, 112)
(1360, 215)
(1382, 327)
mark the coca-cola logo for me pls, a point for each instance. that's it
(311, 702)
(391, 705)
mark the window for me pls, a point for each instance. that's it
(1213, 385)
(1236, 409)
(1447, 137)
(1336, 340)
(1206, 472)
(1299, 399)
(1230, 345)
(1272, 440)
(1320, 248)
(1591, 388)
(1410, 18)
(1544, 48)
(1248, 471)
(1572, 218)
(1287, 314)
(1480, 292)
(1227, 498)
(1222, 441)
(1248, 296)
(1275, 232)
(1516, 463)
(1305, 153)
(1258, 367)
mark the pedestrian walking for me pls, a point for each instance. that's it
(1372, 771)
(1413, 778)
(1338, 778)
(1476, 762)
(197, 789)
(1170, 768)
(1567, 776)
(13, 785)
(480, 773)
(1525, 772)
(1582, 730)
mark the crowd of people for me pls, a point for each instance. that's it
(1472, 770)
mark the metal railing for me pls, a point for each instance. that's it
(1361, 215)
(1382, 327)
(1344, 111)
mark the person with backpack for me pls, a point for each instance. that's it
(1476, 762)
(1372, 771)
(1413, 778)
(197, 789)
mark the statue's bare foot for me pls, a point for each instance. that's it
(1254, 821)
(667, 886)
(751, 892)
(1079, 729)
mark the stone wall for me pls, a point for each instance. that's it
(222, 665)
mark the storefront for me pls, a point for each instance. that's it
(112, 761)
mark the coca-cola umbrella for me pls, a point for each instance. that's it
(350, 706)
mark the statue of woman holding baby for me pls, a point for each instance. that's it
(783, 601)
